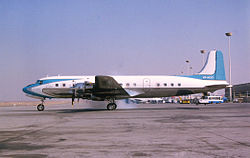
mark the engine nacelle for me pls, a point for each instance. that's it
(83, 90)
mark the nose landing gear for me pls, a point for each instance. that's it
(40, 107)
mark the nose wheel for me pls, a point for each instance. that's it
(111, 106)
(40, 107)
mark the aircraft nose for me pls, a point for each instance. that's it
(26, 89)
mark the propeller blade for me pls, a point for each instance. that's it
(73, 97)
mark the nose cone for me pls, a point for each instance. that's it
(32, 92)
(27, 89)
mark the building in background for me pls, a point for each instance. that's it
(241, 93)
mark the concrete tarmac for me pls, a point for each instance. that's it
(147, 130)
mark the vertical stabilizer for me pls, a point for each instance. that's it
(210, 66)
(213, 68)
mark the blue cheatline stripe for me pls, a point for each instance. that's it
(202, 77)
(55, 80)
(28, 91)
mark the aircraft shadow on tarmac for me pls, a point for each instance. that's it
(129, 109)
(104, 109)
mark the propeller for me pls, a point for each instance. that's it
(78, 90)
(73, 97)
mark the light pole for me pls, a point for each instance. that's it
(187, 61)
(203, 53)
(191, 70)
(229, 34)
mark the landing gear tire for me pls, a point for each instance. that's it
(111, 106)
(40, 107)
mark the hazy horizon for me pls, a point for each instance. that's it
(133, 37)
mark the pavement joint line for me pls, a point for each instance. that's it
(33, 131)
(244, 144)
(16, 137)
(209, 131)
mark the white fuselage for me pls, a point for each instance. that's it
(136, 86)
(110, 88)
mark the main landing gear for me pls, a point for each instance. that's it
(40, 107)
(112, 105)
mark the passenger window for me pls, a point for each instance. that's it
(120, 84)
(158, 84)
(165, 84)
(179, 84)
(127, 84)
(172, 84)
(64, 85)
(56, 84)
(134, 84)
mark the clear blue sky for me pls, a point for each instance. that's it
(116, 37)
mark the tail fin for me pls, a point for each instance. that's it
(213, 68)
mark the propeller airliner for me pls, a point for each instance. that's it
(111, 88)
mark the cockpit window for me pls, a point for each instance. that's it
(39, 81)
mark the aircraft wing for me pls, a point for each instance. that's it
(107, 87)
(215, 87)
(103, 88)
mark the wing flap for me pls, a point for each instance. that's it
(132, 93)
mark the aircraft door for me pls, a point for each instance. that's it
(146, 84)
